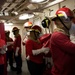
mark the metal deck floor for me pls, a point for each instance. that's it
(24, 70)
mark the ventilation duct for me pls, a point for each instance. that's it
(1, 3)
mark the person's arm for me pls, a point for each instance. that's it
(72, 38)
(24, 40)
(3, 49)
(17, 49)
(42, 50)
(9, 43)
(18, 45)
(63, 42)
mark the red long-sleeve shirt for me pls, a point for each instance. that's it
(32, 45)
(45, 40)
(9, 40)
(63, 54)
(17, 43)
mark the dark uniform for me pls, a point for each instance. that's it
(10, 52)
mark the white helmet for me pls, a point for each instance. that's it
(28, 24)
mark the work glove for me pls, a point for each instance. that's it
(42, 50)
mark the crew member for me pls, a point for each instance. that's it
(62, 49)
(35, 51)
(17, 49)
(10, 51)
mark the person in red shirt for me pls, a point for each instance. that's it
(2, 52)
(10, 51)
(35, 51)
(17, 50)
(62, 49)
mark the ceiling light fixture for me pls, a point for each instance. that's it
(25, 16)
(16, 13)
(37, 1)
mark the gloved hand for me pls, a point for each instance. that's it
(45, 50)
(42, 50)
(16, 53)
(28, 57)
(2, 52)
(3, 49)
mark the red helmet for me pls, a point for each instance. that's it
(36, 28)
(66, 12)
(28, 24)
(15, 29)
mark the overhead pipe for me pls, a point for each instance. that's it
(53, 3)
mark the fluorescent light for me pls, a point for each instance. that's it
(6, 13)
(1, 14)
(25, 16)
(36, 13)
(16, 13)
(37, 1)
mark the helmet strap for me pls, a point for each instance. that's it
(62, 22)
(35, 35)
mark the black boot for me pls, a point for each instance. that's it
(13, 68)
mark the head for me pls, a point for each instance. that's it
(73, 20)
(15, 31)
(7, 33)
(35, 31)
(63, 18)
(46, 22)
(28, 25)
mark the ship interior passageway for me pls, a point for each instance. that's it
(34, 24)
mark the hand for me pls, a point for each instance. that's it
(17, 50)
(2, 52)
(45, 50)
(3, 49)
(16, 53)
(28, 57)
